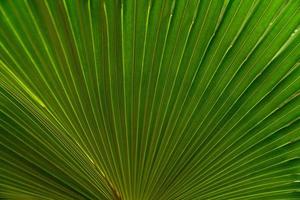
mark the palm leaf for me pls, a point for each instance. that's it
(153, 99)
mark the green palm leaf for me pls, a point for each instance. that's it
(137, 100)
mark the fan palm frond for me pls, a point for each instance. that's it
(154, 99)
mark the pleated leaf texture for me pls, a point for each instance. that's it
(150, 99)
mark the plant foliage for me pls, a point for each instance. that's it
(149, 99)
